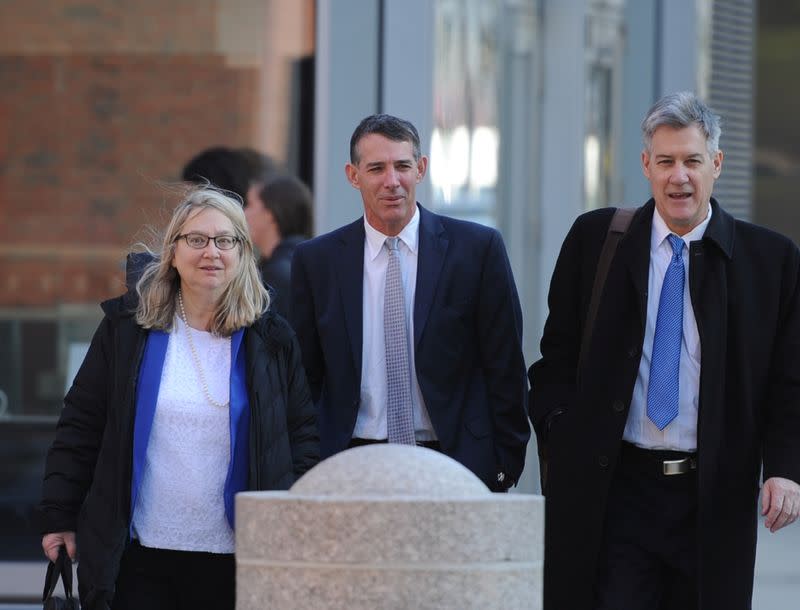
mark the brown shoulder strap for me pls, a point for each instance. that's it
(616, 230)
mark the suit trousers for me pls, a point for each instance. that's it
(163, 579)
(648, 558)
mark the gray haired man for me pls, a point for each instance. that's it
(688, 386)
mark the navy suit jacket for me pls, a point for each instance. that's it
(467, 340)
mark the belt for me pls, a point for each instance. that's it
(667, 463)
(358, 442)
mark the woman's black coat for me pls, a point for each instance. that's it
(87, 483)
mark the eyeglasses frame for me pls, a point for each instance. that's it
(209, 238)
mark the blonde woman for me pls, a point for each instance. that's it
(191, 391)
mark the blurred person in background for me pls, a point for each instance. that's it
(191, 391)
(279, 217)
(260, 168)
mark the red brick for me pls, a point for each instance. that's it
(101, 105)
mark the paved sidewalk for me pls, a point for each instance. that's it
(777, 576)
(777, 580)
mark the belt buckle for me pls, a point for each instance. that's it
(672, 467)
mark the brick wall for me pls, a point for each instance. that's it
(100, 104)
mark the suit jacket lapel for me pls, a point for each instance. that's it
(433, 244)
(350, 270)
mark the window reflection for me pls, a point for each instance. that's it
(598, 143)
(467, 163)
(465, 138)
(604, 36)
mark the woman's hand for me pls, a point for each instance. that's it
(52, 542)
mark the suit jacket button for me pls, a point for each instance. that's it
(633, 352)
(603, 461)
(618, 406)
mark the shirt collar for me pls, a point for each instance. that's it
(660, 230)
(409, 236)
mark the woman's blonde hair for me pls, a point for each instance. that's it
(245, 298)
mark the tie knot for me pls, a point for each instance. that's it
(677, 243)
(392, 243)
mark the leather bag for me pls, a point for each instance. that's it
(61, 568)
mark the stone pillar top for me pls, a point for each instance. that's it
(389, 470)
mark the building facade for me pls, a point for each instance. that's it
(528, 109)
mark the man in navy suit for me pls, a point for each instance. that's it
(463, 329)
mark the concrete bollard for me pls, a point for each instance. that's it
(389, 527)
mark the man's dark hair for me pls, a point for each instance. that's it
(231, 169)
(390, 127)
(290, 202)
(221, 167)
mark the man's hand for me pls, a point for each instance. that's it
(780, 502)
(51, 543)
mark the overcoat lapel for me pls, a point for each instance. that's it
(634, 249)
(708, 286)
(350, 271)
(433, 244)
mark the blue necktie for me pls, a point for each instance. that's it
(665, 365)
(399, 413)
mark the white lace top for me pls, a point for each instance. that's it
(180, 504)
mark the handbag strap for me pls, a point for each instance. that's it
(63, 568)
(616, 230)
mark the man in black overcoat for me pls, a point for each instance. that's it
(686, 397)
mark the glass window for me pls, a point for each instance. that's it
(484, 111)
(777, 123)
(604, 35)
(464, 145)
(597, 145)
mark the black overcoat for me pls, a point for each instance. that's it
(87, 482)
(743, 283)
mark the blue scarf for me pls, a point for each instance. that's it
(155, 352)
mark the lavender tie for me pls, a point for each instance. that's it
(399, 416)
(665, 365)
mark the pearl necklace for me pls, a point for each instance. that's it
(196, 358)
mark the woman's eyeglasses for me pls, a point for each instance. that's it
(198, 241)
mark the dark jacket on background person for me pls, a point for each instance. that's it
(745, 292)
(276, 272)
(87, 483)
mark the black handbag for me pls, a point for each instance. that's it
(63, 568)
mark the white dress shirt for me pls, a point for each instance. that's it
(371, 420)
(681, 433)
